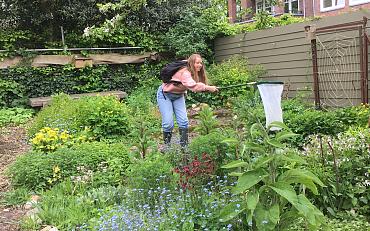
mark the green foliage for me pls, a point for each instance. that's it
(141, 135)
(213, 145)
(18, 196)
(348, 222)
(342, 162)
(111, 35)
(15, 116)
(69, 204)
(11, 93)
(105, 117)
(196, 29)
(207, 121)
(307, 121)
(248, 108)
(233, 71)
(60, 114)
(155, 170)
(46, 81)
(263, 20)
(268, 175)
(45, 18)
(11, 41)
(95, 163)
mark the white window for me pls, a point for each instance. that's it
(263, 5)
(327, 5)
(357, 2)
(291, 6)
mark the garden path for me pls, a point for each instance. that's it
(13, 142)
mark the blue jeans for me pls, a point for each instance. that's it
(169, 104)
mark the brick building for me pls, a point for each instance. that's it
(243, 10)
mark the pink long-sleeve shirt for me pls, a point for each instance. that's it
(187, 82)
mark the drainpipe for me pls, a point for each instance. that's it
(304, 8)
(313, 7)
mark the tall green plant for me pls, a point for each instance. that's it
(268, 182)
(207, 121)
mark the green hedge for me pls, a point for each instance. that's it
(46, 81)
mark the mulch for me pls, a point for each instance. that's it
(13, 143)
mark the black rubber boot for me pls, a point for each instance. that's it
(184, 137)
(167, 142)
(167, 137)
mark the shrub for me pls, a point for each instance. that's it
(233, 71)
(153, 171)
(96, 163)
(328, 122)
(212, 145)
(342, 163)
(105, 117)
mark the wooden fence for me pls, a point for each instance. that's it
(284, 52)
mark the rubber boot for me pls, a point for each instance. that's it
(167, 141)
(167, 137)
(184, 137)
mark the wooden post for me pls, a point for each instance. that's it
(231, 8)
(310, 34)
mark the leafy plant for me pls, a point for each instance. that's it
(142, 140)
(213, 145)
(233, 71)
(105, 117)
(307, 121)
(342, 163)
(11, 93)
(207, 121)
(155, 170)
(196, 173)
(95, 163)
(18, 196)
(15, 116)
(267, 183)
(197, 27)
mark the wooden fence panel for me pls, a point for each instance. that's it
(285, 52)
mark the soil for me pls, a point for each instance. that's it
(13, 143)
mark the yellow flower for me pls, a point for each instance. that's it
(64, 136)
(56, 169)
(52, 134)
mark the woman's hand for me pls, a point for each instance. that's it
(212, 88)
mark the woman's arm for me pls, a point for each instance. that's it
(190, 84)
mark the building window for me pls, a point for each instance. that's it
(291, 6)
(263, 5)
(358, 2)
(327, 5)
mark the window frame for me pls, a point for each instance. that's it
(339, 6)
(290, 6)
(358, 2)
(264, 6)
